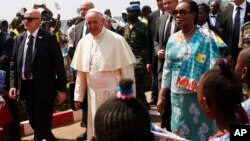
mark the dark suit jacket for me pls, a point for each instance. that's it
(78, 32)
(47, 66)
(227, 27)
(3, 38)
(160, 42)
(152, 27)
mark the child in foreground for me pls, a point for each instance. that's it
(122, 118)
(220, 96)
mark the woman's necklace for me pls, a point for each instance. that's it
(187, 36)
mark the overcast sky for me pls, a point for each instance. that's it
(8, 8)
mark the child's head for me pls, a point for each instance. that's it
(220, 93)
(122, 119)
(242, 67)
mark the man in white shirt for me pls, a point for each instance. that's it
(214, 15)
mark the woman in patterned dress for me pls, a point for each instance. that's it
(189, 53)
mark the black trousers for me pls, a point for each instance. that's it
(154, 87)
(140, 86)
(84, 104)
(39, 112)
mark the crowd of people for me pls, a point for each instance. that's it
(196, 54)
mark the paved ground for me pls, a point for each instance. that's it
(70, 132)
(65, 133)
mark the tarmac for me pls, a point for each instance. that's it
(64, 133)
(71, 131)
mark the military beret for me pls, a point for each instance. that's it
(133, 7)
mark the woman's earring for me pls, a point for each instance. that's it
(207, 109)
(203, 98)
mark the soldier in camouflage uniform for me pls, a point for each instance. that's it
(244, 40)
(136, 35)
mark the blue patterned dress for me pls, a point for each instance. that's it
(184, 63)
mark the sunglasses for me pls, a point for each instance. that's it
(29, 19)
(182, 12)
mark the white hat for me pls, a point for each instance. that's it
(124, 11)
(94, 10)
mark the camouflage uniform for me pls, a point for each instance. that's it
(244, 40)
(137, 39)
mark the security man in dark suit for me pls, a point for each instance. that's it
(232, 19)
(151, 61)
(37, 74)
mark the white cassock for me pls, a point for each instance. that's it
(101, 62)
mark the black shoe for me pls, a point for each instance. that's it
(82, 124)
(146, 105)
(82, 137)
(153, 102)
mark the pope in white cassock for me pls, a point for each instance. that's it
(102, 58)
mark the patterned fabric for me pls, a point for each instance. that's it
(225, 137)
(188, 119)
(136, 36)
(187, 61)
(246, 106)
(137, 39)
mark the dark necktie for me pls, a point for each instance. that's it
(236, 26)
(28, 58)
(168, 29)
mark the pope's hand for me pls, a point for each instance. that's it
(77, 105)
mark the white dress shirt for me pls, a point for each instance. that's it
(212, 19)
(34, 34)
(242, 12)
